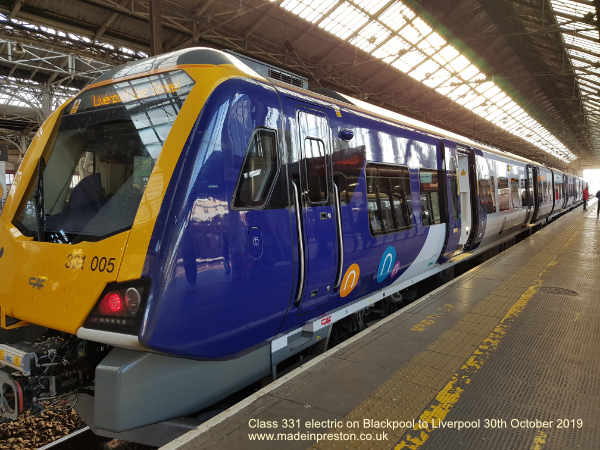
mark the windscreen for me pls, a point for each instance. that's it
(90, 182)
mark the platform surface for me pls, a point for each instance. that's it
(508, 354)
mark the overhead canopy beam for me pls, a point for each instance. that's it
(156, 48)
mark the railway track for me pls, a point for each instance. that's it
(85, 438)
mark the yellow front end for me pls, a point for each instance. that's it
(56, 285)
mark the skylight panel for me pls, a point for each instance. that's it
(344, 21)
(458, 92)
(445, 55)
(455, 81)
(468, 97)
(424, 70)
(503, 101)
(370, 36)
(482, 88)
(444, 89)
(435, 41)
(75, 37)
(437, 78)
(307, 9)
(593, 78)
(591, 33)
(477, 102)
(411, 34)
(392, 49)
(579, 63)
(459, 64)
(422, 27)
(490, 93)
(409, 60)
(575, 25)
(469, 72)
(572, 8)
(396, 16)
(586, 44)
(493, 116)
(590, 85)
(582, 55)
(499, 96)
(371, 6)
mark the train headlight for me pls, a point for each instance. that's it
(119, 308)
(133, 300)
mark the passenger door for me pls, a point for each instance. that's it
(529, 201)
(318, 212)
(464, 189)
(453, 211)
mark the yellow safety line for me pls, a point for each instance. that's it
(431, 318)
(447, 398)
(539, 440)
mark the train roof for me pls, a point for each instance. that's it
(358, 105)
(211, 56)
(188, 56)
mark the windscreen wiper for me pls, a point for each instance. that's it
(39, 204)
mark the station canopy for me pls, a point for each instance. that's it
(521, 75)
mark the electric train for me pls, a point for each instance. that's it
(183, 225)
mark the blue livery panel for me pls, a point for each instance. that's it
(226, 278)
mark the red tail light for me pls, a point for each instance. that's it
(111, 304)
(120, 307)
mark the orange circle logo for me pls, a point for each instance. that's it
(350, 280)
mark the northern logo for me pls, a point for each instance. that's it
(386, 265)
(350, 280)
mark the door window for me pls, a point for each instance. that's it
(430, 197)
(315, 170)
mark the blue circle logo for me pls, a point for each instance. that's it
(386, 265)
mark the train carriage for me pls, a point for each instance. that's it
(194, 224)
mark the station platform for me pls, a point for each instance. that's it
(506, 356)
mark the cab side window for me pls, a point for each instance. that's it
(258, 171)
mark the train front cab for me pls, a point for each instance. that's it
(89, 218)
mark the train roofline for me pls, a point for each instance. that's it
(400, 119)
(212, 56)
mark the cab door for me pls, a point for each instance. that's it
(318, 212)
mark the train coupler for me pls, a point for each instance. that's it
(32, 373)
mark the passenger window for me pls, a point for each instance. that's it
(514, 193)
(485, 184)
(546, 190)
(388, 198)
(503, 194)
(315, 170)
(258, 172)
(430, 197)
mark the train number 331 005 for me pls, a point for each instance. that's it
(96, 264)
